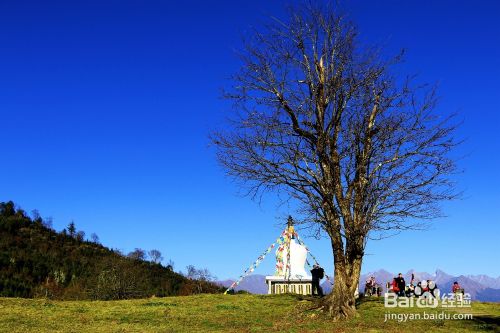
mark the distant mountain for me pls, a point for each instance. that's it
(480, 287)
(486, 280)
(441, 277)
(327, 285)
(488, 295)
(255, 284)
(418, 276)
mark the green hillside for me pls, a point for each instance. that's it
(36, 261)
(220, 313)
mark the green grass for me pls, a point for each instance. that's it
(222, 313)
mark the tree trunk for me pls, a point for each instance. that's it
(341, 302)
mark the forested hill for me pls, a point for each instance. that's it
(36, 261)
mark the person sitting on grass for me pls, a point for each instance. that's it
(426, 286)
(456, 288)
(394, 286)
(370, 286)
(410, 290)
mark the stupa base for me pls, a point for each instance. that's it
(282, 285)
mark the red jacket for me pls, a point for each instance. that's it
(395, 285)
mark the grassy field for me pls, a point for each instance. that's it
(222, 313)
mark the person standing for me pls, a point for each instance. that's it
(317, 274)
(400, 282)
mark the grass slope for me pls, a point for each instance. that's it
(219, 313)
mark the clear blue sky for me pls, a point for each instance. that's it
(105, 109)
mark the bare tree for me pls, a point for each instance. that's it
(199, 276)
(202, 274)
(94, 238)
(48, 222)
(72, 229)
(155, 256)
(80, 236)
(35, 214)
(170, 265)
(328, 122)
(137, 254)
(191, 272)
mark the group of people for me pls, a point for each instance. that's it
(398, 284)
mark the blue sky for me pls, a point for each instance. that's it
(106, 106)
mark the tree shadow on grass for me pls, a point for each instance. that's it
(487, 322)
(372, 299)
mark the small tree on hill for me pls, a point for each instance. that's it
(155, 256)
(199, 276)
(80, 236)
(94, 238)
(170, 265)
(72, 229)
(137, 254)
(48, 222)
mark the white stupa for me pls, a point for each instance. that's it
(290, 277)
(291, 258)
(298, 256)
